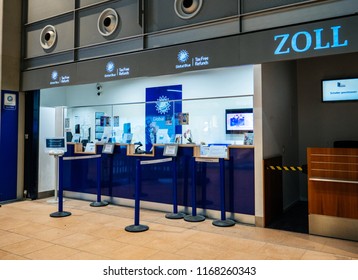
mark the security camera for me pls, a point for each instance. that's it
(99, 89)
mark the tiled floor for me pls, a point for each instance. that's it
(97, 233)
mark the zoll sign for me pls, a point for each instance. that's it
(316, 39)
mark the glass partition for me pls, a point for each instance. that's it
(199, 121)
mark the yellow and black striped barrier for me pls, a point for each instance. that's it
(302, 168)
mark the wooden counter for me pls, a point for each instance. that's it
(333, 192)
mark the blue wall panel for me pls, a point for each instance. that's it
(8, 145)
(118, 178)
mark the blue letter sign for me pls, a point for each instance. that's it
(312, 40)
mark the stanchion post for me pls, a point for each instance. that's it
(137, 227)
(175, 214)
(60, 213)
(223, 222)
(99, 203)
(193, 217)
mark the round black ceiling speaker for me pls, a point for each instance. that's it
(108, 22)
(48, 37)
(187, 9)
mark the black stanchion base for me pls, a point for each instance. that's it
(136, 228)
(224, 223)
(60, 214)
(99, 203)
(196, 218)
(175, 215)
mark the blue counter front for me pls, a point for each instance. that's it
(118, 177)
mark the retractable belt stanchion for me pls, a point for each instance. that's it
(60, 213)
(99, 202)
(175, 214)
(137, 227)
(194, 217)
(55, 198)
(223, 222)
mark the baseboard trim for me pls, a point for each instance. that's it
(330, 226)
(45, 194)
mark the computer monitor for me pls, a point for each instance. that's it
(69, 136)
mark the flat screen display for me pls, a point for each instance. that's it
(56, 144)
(340, 90)
(239, 120)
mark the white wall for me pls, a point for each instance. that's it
(320, 124)
(53, 97)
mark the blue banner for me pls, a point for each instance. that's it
(163, 104)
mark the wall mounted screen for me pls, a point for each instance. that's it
(239, 120)
(340, 90)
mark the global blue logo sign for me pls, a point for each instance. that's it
(110, 70)
(162, 105)
(185, 61)
(57, 79)
(54, 75)
(183, 56)
(116, 71)
(110, 67)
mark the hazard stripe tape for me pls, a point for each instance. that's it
(285, 168)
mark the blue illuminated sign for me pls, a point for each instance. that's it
(185, 61)
(56, 79)
(112, 71)
(311, 40)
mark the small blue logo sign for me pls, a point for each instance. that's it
(54, 75)
(183, 56)
(110, 67)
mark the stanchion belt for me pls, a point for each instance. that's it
(154, 161)
(81, 157)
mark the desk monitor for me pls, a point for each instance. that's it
(108, 148)
(170, 150)
(69, 136)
